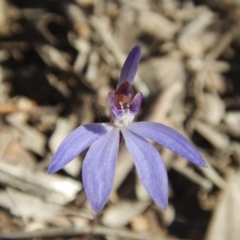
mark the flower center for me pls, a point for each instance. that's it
(125, 117)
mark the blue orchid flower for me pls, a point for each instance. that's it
(104, 139)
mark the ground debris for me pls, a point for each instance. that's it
(59, 60)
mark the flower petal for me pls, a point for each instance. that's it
(150, 167)
(136, 103)
(111, 104)
(130, 66)
(99, 168)
(168, 138)
(77, 141)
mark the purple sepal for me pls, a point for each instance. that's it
(99, 169)
(112, 106)
(130, 66)
(150, 167)
(136, 103)
(76, 142)
(168, 138)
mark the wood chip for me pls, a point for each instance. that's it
(157, 21)
(30, 138)
(225, 221)
(121, 213)
(217, 139)
(52, 188)
(27, 206)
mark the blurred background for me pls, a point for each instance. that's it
(58, 61)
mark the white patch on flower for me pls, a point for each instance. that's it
(125, 118)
